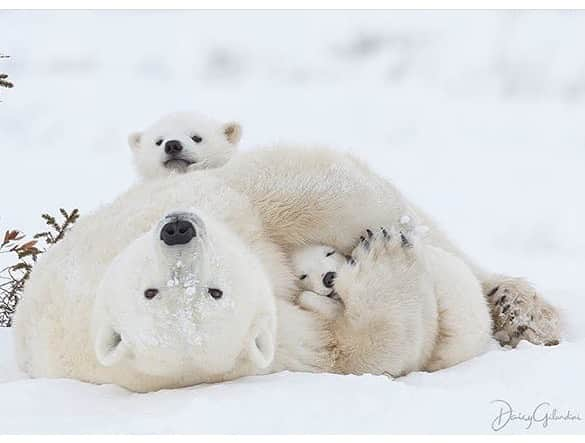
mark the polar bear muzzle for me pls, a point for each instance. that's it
(177, 232)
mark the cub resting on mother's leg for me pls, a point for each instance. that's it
(446, 317)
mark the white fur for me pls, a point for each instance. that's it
(257, 208)
(217, 145)
(463, 315)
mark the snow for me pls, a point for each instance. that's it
(476, 116)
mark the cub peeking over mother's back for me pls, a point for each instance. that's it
(183, 141)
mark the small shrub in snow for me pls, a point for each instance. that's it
(26, 252)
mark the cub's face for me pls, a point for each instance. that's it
(188, 298)
(181, 142)
(316, 268)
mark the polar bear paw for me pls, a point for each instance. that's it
(385, 242)
(520, 313)
(385, 263)
(328, 307)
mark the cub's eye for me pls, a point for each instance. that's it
(159, 142)
(302, 277)
(330, 253)
(150, 293)
(196, 139)
(215, 293)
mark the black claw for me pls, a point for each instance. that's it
(405, 242)
(365, 243)
(505, 309)
(385, 233)
(370, 233)
(493, 291)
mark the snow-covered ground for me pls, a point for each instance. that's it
(478, 116)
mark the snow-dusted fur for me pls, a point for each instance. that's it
(86, 296)
(182, 142)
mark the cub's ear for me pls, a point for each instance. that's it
(233, 132)
(134, 140)
(261, 345)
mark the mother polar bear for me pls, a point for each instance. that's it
(186, 280)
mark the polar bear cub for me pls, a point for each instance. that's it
(316, 268)
(463, 322)
(181, 142)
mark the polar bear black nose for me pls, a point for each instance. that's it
(328, 279)
(173, 147)
(179, 232)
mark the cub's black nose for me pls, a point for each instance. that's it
(173, 147)
(328, 279)
(179, 232)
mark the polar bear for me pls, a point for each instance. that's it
(122, 306)
(183, 141)
(460, 325)
(80, 315)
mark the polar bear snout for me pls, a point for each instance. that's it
(173, 147)
(329, 279)
(178, 232)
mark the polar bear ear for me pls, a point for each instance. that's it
(109, 346)
(233, 132)
(261, 346)
(134, 140)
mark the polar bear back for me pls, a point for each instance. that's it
(314, 195)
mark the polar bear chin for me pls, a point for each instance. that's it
(181, 329)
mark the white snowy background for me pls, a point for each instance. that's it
(478, 116)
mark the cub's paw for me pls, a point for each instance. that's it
(520, 313)
(327, 306)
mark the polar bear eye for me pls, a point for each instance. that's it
(302, 277)
(215, 293)
(329, 254)
(196, 139)
(159, 142)
(150, 293)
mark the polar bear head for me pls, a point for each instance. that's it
(188, 299)
(181, 142)
(316, 267)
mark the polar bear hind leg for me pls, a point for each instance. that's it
(464, 317)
